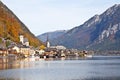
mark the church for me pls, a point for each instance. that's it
(24, 41)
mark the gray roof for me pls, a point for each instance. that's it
(25, 40)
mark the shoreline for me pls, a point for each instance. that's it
(107, 53)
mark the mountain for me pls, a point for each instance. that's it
(11, 27)
(101, 32)
(51, 35)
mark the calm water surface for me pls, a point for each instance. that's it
(96, 68)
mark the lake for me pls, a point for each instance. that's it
(95, 68)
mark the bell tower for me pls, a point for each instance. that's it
(47, 42)
(21, 38)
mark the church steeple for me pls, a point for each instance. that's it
(47, 42)
(21, 38)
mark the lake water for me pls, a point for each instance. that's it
(95, 68)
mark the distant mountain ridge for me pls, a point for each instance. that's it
(101, 32)
(51, 35)
(11, 27)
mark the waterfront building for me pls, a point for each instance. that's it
(41, 52)
(60, 47)
(16, 48)
(3, 52)
(25, 50)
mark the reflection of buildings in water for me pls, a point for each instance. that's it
(12, 63)
(8, 63)
(3, 64)
(63, 58)
(30, 62)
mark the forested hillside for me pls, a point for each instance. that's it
(11, 27)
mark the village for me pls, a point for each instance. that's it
(24, 50)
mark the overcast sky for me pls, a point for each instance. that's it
(42, 16)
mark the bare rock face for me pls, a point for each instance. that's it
(101, 32)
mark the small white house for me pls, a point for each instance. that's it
(31, 51)
(41, 51)
(61, 47)
(16, 48)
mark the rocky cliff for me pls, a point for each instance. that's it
(100, 32)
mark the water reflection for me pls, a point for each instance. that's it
(8, 63)
(96, 68)
(13, 63)
(102, 78)
(99, 78)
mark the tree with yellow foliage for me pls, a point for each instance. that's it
(42, 47)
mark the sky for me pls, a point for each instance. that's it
(42, 16)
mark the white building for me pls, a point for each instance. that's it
(17, 49)
(59, 47)
(21, 39)
(24, 41)
(41, 51)
(48, 44)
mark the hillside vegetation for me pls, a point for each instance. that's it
(11, 27)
